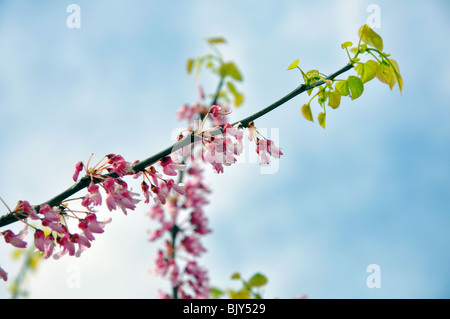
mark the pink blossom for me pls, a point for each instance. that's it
(157, 213)
(156, 234)
(261, 149)
(183, 295)
(163, 295)
(162, 264)
(219, 152)
(195, 198)
(119, 165)
(176, 187)
(192, 245)
(174, 272)
(192, 268)
(273, 150)
(201, 283)
(50, 214)
(3, 274)
(160, 197)
(93, 197)
(145, 190)
(213, 152)
(83, 243)
(15, 240)
(201, 92)
(26, 208)
(90, 225)
(153, 173)
(195, 171)
(110, 202)
(237, 134)
(67, 246)
(169, 167)
(217, 168)
(187, 112)
(266, 148)
(172, 209)
(201, 291)
(209, 153)
(78, 169)
(44, 243)
(200, 222)
(219, 111)
(229, 150)
(118, 195)
(55, 226)
(109, 184)
(52, 218)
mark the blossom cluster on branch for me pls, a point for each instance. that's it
(181, 216)
(62, 230)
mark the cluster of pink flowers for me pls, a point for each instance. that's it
(54, 232)
(183, 238)
(177, 207)
(264, 147)
(221, 150)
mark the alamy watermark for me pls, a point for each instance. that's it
(374, 19)
(74, 278)
(73, 20)
(374, 279)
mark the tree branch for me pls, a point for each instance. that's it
(187, 140)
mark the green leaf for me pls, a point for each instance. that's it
(216, 293)
(231, 87)
(216, 40)
(313, 74)
(356, 87)
(386, 74)
(231, 70)
(334, 99)
(257, 280)
(236, 275)
(306, 111)
(238, 97)
(397, 74)
(371, 37)
(293, 65)
(367, 71)
(189, 64)
(241, 294)
(346, 44)
(322, 118)
(342, 88)
(322, 97)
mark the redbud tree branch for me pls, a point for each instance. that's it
(187, 140)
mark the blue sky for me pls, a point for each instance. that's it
(370, 189)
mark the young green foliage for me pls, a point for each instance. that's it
(381, 67)
(226, 70)
(250, 289)
(306, 111)
(370, 37)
